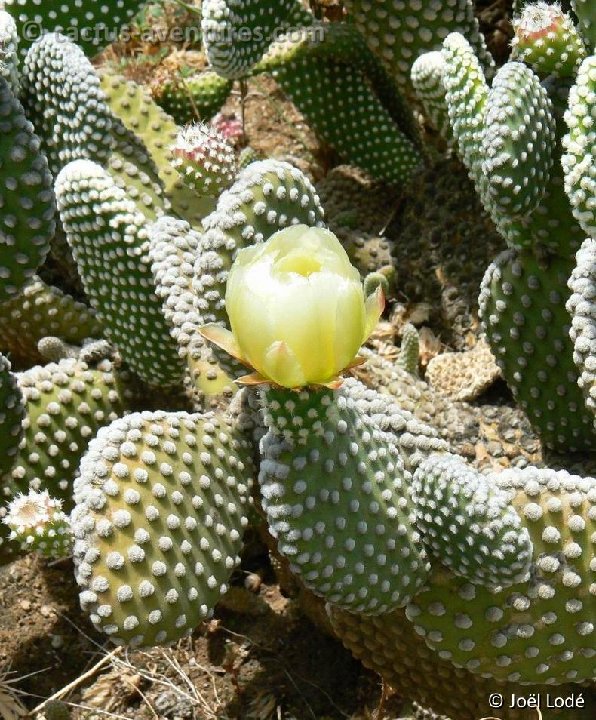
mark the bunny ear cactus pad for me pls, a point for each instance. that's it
(174, 248)
(12, 412)
(340, 103)
(468, 524)
(66, 403)
(38, 311)
(189, 99)
(28, 206)
(90, 23)
(579, 159)
(63, 98)
(9, 42)
(547, 40)
(581, 306)
(522, 308)
(539, 631)
(519, 141)
(584, 9)
(161, 509)
(237, 33)
(399, 31)
(334, 489)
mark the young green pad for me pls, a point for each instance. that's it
(522, 307)
(63, 99)
(108, 236)
(28, 205)
(539, 631)
(334, 489)
(161, 509)
(199, 97)
(89, 23)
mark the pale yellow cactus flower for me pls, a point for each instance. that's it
(297, 309)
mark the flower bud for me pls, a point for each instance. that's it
(297, 308)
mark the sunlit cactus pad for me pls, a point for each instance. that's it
(161, 508)
(28, 206)
(539, 631)
(91, 24)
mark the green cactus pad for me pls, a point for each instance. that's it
(334, 489)
(161, 508)
(586, 14)
(28, 206)
(12, 412)
(341, 104)
(426, 76)
(237, 33)
(519, 141)
(522, 307)
(204, 159)
(539, 631)
(64, 101)
(468, 524)
(546, 39)
(91, 24)
(135, 109)
(108, 237)
(66, 403)
(579, 160)
(9, 43)
(399, 31)
(389, 645)
(582, 310)
(38, 311)
(199, 97)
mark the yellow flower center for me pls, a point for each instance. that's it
(299, 263)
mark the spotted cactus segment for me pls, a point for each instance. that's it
(466, 94)
(11, 416)
(586, 14)
(92, 24)
(341, 104)
(108, 237)
(426, 76)
(399, 31)
(205, 160)
(139, 114)
(40, 311)
(389, 645)
(522, 307)
(28, 205)
(9, 44)
(579, 159)
(468, 524)
(518, 144)
(161, 509)
(334, 489)
(540, 631)
(581, 306)
(63, 98)
(237, 33)
(409, 352)
(38, 523)
(199, 97)
(546, 39)
(266, 197)
(66, 404)
(174, 247)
